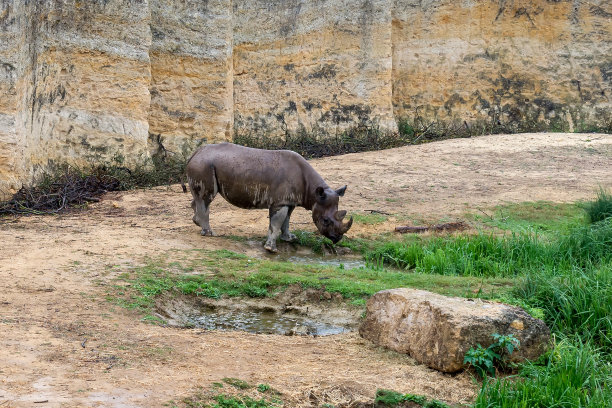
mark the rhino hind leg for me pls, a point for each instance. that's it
(285, 234)
(277, 219)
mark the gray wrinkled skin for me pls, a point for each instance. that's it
(253, 178)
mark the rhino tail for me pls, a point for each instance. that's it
(183, 184)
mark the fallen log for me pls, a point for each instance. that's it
(449, 226)
(408, 229)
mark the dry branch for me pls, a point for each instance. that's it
(69, 188)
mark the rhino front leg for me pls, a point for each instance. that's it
(277, 218)
(285, 234)
(201, 206)
(201, 216)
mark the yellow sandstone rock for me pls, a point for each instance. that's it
(84, 81)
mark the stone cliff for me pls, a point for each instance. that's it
(99, 80)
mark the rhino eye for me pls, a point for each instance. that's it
(326, 221)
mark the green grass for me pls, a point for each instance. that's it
(601, 208)
(500, 256)
(578, 302)
(214, 274)
(238, 397)
(480, 255)
(319, 244)
(572, 287)
(548, 258)
(389, 398)
(225, 401)
(561, 264)
(574, 374)
(369, 219)
(541, 217)
(237, 383)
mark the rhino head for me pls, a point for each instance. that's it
(326, 216)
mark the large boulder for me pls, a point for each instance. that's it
(437, 330)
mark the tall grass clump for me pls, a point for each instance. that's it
(494, 256)
(480, 255)
(601, 208)
(578, 302)
(573, 289)
(574, 375)
(585, 245)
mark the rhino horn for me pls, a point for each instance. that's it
(347, 226)
(340, 215)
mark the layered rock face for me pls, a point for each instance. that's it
(11, 71)
(191, 73)
(516, 63)
(105, 80)
(321, 65)
(78, 84)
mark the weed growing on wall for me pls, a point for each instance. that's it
(320, 143)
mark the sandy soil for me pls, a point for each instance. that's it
(62, 344)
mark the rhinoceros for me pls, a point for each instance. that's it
(279, 180)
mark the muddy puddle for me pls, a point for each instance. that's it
(285, 315)
(320, 260)
(294, 254)
(260, 322)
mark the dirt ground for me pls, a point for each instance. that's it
(63, 345)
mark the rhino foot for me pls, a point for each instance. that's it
(289, 237)
(270, 247)
(207, 233)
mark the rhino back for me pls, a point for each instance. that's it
(251, 178)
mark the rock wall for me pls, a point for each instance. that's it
(191, 73)
(317, 64)
(78, 84)
(518, 63)
(120, 79)
(11, 71)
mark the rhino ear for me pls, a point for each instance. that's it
(320, 194)
(341, 191)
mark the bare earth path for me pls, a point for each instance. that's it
(62, 344)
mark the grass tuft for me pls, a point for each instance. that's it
(578, 302)
(237, 383)
(575, 374)
(390, 398)
(601, 208)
